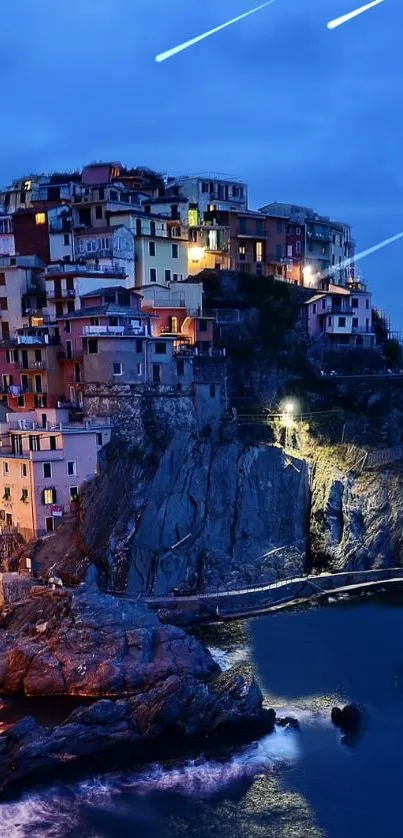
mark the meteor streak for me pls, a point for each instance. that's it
(338, 21)
(171, 52)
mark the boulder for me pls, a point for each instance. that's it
(349, 719)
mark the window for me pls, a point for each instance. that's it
(367, 324)
(138, 226)
(298, 247)
(180, 367)
(152, 228)
(314, 308)
(259, 227)
(203, 325)
(24, 495)
(138, 369)
(298, 231)
(105, 243)
(153, 274)
(212, 391)
(341, 321)
(5, 468)
(73, 493)
(3, 303)
(98, 211)
(279, 251)
(151, 248)
(66, 239)
(99, 439)
(329, 321)
(40, 218)
(34, 443)
(113, 195)
(242, 225)
(117, 368)
(289, 251)
(47, 470)
(167, 275)
(355, 322)
(38, 356)
(7, 493)
(160, 348)
(176, 277)
(366, 303)
(279, 226)
(156, 374)
(71, 468)
(24, 470)
(173, 324)
(242, 252)
(91, 246)
(2, 279)
(38, 384)
(175, 251)
(48, 496)
(259, 247)
(139, 345)
(92, 346)
(354, 302)
(21, 401)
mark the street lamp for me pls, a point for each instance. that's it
(287, 419)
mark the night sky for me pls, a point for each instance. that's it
(303, 114)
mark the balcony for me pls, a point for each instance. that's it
(99, 253)
(79, 268)
(114, 331)
(16, 390)
(30, 365)
(319, 235)
(343, 312)
(363, 330)
(62, 294)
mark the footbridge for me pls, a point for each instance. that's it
(233, 604)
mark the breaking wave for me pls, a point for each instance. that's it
(57, 812)
(227, 658)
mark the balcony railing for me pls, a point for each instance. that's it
(65, 427)
(61, 294)
(114, 331)
(79, 268)
(321, 236)
(31, 365)
(194, 351)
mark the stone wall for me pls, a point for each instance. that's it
(14, 588)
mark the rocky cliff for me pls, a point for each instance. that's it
(208, 514)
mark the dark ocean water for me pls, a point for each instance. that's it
(289, 784)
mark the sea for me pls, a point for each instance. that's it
(291, 784)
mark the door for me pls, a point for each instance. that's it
(49, 524)
(24, 359)
(44, 420)
(156, 374)
(38, 384)
(69, 348)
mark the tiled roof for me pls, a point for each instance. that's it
(104, 310)
(91, 231)
(106, 288)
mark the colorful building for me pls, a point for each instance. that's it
(340, 317)
(44, 461)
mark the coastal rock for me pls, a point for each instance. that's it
(349, 719)
(94, 645)
(180, 709)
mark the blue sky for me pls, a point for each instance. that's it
(304, 114)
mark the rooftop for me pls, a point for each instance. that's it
(104, 310)
(108, 288)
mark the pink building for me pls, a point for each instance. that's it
(44, 461)
(340, 316)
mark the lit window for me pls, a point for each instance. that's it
(259, 251)
(193, 217)
(40, 218)
(49, 496)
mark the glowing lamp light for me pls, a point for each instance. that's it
(307, 272)
(196, 254)
(289, 407)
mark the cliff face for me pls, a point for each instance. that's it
(356, 521)
(208, 515)
(233, 503)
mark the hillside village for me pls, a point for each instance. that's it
(118, 310)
